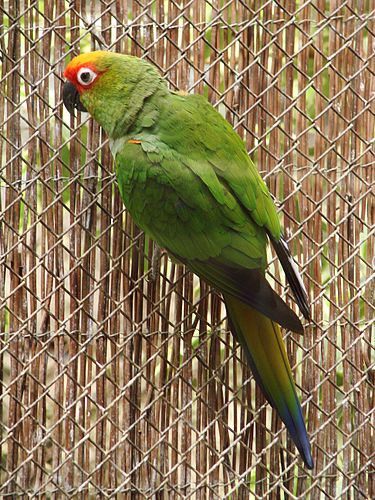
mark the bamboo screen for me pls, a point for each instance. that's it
(118, 376)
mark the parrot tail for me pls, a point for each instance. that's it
(266, 354)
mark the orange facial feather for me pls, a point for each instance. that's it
(83, 60)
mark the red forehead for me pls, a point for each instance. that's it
(72, 69)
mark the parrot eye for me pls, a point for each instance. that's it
(85, 76)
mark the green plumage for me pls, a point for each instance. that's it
(187, 180)
(204, 196)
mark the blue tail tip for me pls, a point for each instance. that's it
(305, 451)
(309, 462)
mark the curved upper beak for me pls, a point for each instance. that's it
(71, 98)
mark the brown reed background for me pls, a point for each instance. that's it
(120, 381)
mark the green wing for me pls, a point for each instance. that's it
(193, 220)
(190, 206)
(198, 131)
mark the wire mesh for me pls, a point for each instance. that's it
(118, 379)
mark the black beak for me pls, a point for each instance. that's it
(71, 98)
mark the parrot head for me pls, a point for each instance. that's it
(110, 86)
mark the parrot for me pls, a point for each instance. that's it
(187, 180)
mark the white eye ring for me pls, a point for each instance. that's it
(85, 76)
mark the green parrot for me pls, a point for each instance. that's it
(186, 178)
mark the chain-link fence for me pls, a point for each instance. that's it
(121, 380)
